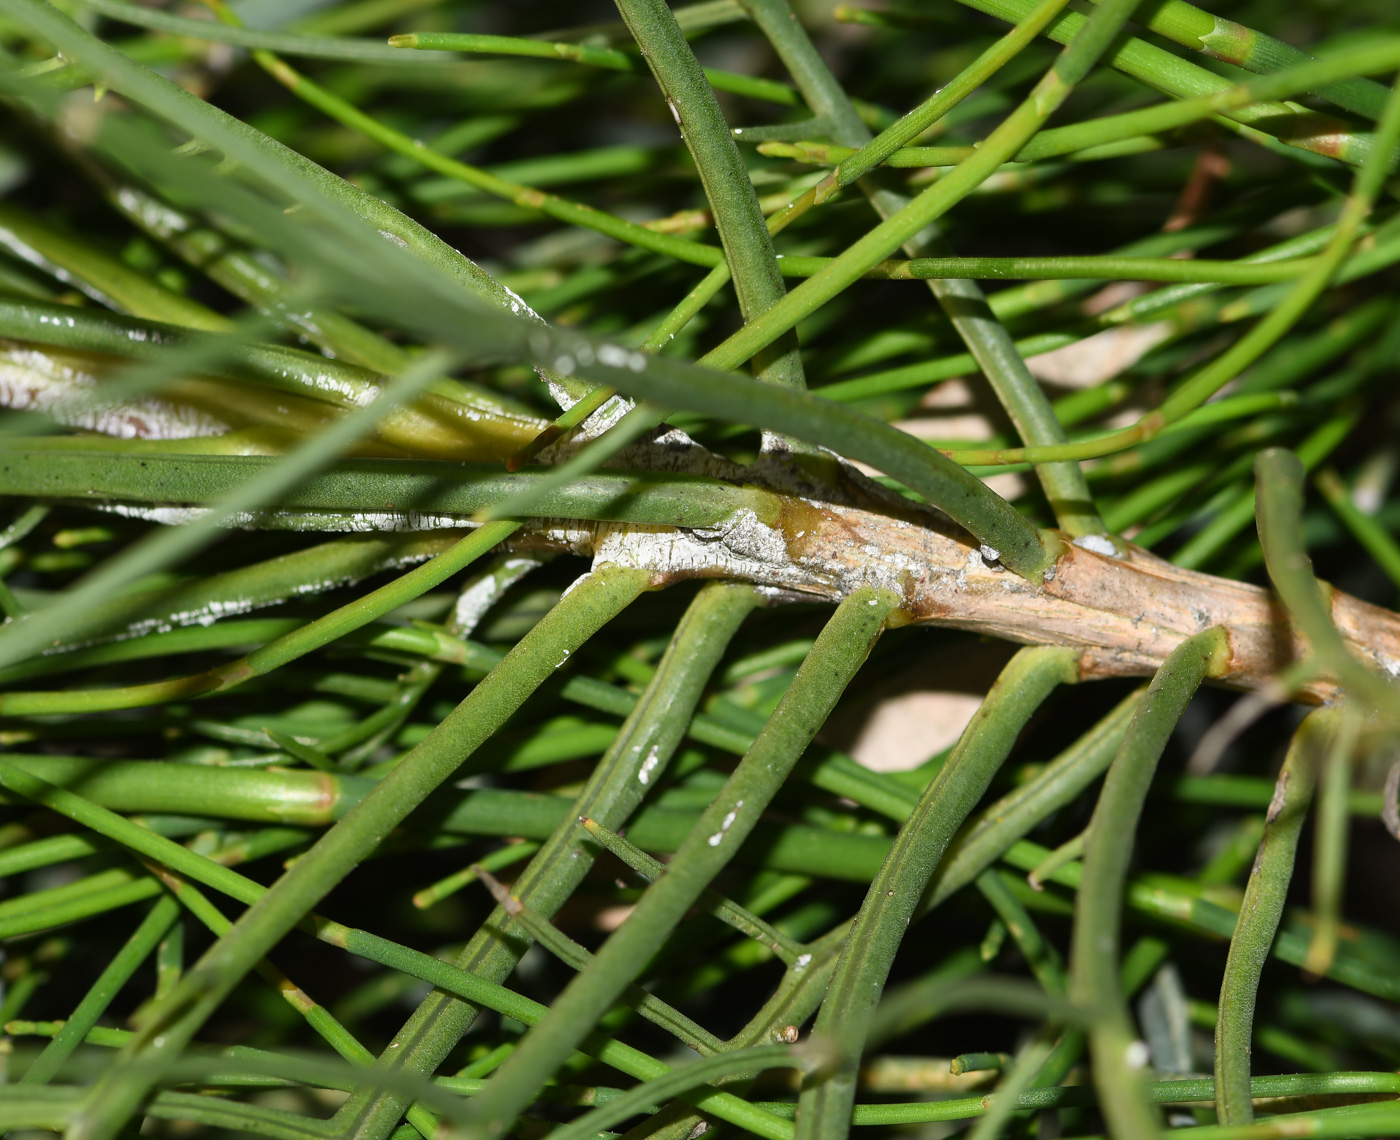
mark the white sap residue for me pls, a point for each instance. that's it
(653, 758)
(726, 824)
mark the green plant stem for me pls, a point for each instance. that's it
(643, 748)
(589, 55)
(1161, 1092)
(1040, 955)
(552, 205)
(108, 823)
(1067, 852)
(475, 599)
(1178, 297)
(1260, 338)
(1245, 47)
(1279, 496)
(112, 281)
(924, 157)
(170, 1025)
(962, 301)
(109, 1038)
(1191, 106)
(253, 282)
(1236, 514)
(290, 646)
(154, 926)
(1176, 904)
(748, 246)
(927, 372)
(498, 860)
(99, 894)
(305, 799)
(1024, 549)
(106, 891)
(1118, 1070)
(317, 1016)
(340, 204)
(838, 855)
(435, 45)
(354, 487)
(1054, 87)
(23, 637)
(740, 1061)
(53, 1108)
(451, 980)
(874, 152)
(561, 946)
(733, 202)
(847, 1011)
(1379, 543)
(1012, 817)
(1260, 912)
(316, 799)
(414, 273)
(1158, 68)
(434, 423)
(1065, 269)
(64, 848)
(170, 960)
(698, 297)
(293, 43)
(977, 1063)
(1330, 844)
(1019, 1076)
(325, 566)
(839, 651)
(1020, 301)
(726, 910)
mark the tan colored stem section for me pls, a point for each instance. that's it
(1126, 612)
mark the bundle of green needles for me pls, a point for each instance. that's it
(578, 569)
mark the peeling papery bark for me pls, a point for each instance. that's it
(1126, 611)
(1125, 607)
(59, 384)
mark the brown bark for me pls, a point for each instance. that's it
(1126, 610)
